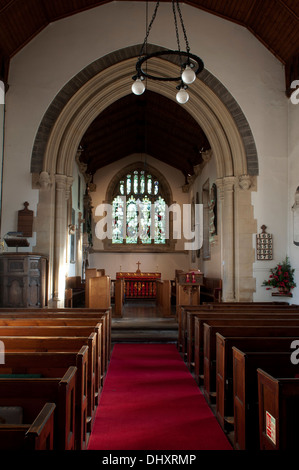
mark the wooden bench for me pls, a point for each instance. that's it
(278, 398)
(186, 325)
(224, 368)
(103, 316)
(56, 331)
(246, 412)
(74, 322)
(223, 306)
(64, 312)
(197, 321)
(54, 364)
(39, 435)
(209, 388)
(62, 344)
(32, 394)
(202, 318)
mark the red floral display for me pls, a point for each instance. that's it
(281, 277)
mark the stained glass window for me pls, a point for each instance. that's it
(118, 219)
(140, 216)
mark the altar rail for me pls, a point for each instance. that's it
(145, 289)
(139, 285)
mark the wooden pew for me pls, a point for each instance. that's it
(245, 365)
(55, 364)
(278, 398)
(39, 435)
(189, 321)
(224, 368)
(70, 322)
(199, 319)
(223, 306)
(31, 394)
(202, 318)
(186, 325)
(102, 316)
(56, 331)
(62, 344)
(209, 364)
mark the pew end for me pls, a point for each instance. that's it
(278, 399)
(36, 436)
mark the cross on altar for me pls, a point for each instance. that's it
(138, 270)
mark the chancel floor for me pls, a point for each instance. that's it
(142, 321)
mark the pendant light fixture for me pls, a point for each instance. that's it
(189, 64)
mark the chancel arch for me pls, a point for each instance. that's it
(235, 158)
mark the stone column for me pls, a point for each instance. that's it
(44, 223)
(62, 191)
(226, 187)
(245, 229)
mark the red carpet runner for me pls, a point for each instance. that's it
(150, 401)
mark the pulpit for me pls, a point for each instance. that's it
(23, 280)
(139, 285)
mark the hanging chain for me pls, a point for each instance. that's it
(183, 27)
(149, 28)
(176, 26)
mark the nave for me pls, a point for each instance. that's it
(80, 384)
(149, 394)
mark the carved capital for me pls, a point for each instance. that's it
(245, 182)
(60, 181)
(225, 185)
(45, 180)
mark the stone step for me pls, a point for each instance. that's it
(144, 336)
(147, 329)
(156, 324)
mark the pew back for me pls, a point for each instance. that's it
(32, 394)
(209, 361)
(36, 436)
(224, 368)
(245, 389)
(54, 364)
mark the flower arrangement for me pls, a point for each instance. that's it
(281, 277)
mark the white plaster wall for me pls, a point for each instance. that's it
(250, 72)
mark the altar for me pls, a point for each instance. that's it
(139, 285)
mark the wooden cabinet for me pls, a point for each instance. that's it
(23, 280)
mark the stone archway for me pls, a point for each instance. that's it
(232, 146)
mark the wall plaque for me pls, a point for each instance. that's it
(264, 245)
(25, 221)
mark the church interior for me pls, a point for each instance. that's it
(149, 219)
